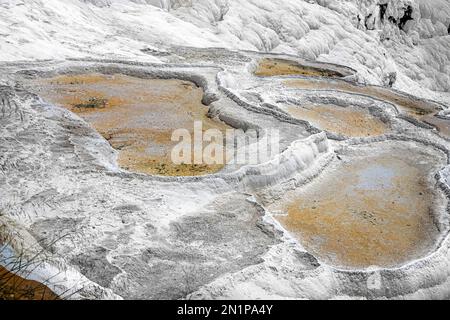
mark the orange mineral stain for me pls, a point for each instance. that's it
(375, 211)
(418, 109)
(279, 67)
(137, 116)
(14, 287)
(349, 121)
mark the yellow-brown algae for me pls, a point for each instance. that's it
(280, 67)
(417, 109)
(137, 116)
(349, 121)
(375, 211)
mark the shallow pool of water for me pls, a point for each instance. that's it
(349, 121)
(137, 116)
(375, 210)
(14, 287)
(420, 110)
(280, 67)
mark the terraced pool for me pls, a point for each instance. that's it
(137, 116)
(349, 121)
(417, 109)
(279, 67)
(374, 209)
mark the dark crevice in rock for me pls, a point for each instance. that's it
(367, 19)
(406, 17)
(448, 29)
(390, 79)
(222, 16)
(383, 8)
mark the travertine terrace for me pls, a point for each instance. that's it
(136, 116)
(353, 205)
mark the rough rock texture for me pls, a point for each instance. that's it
(408, 38)
(127, 235)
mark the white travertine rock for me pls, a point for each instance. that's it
(51, 176)
(369, 36)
